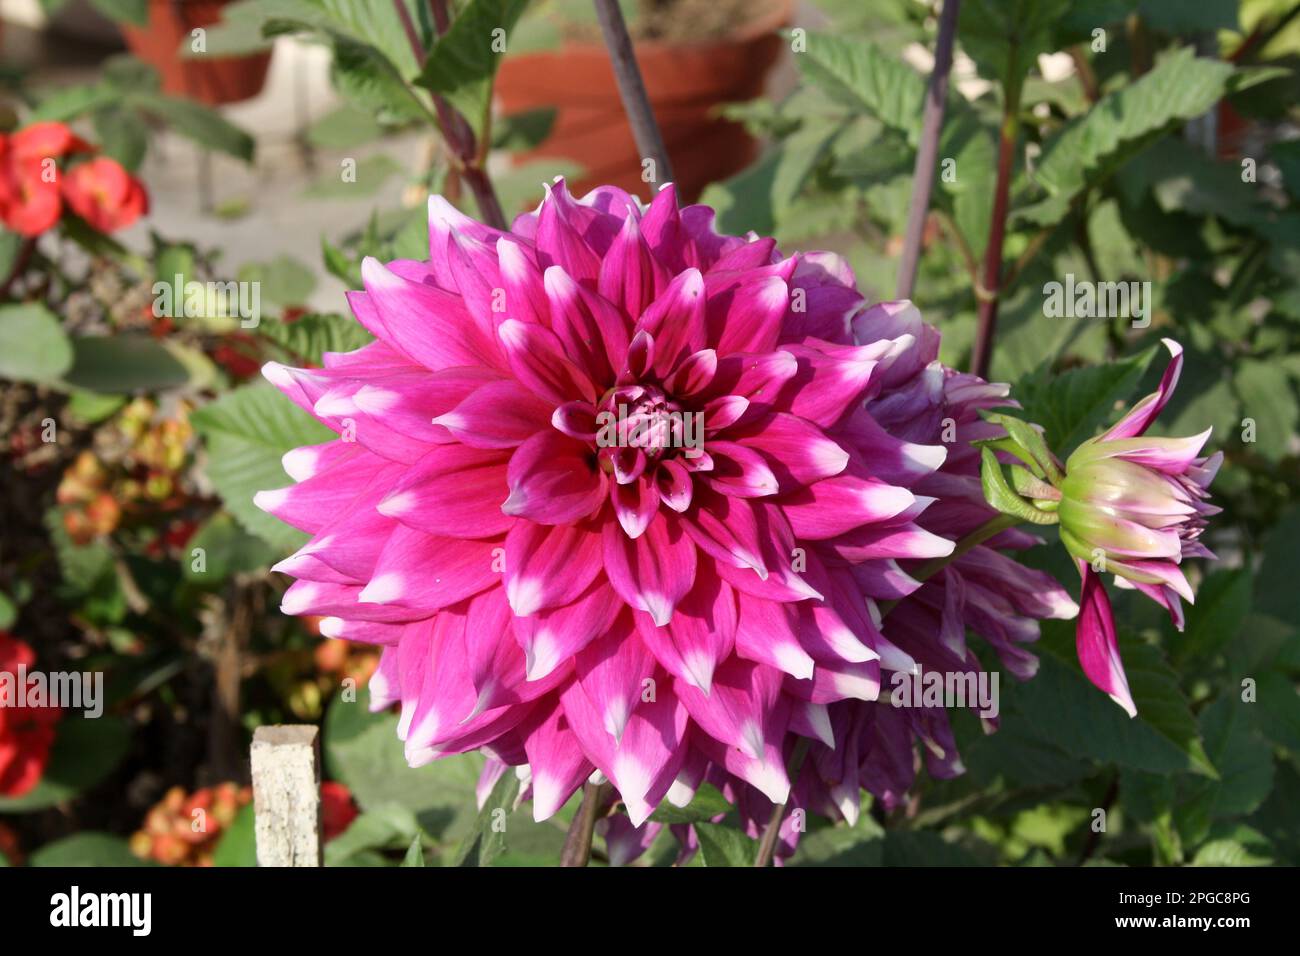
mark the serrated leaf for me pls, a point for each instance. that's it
(462, 64)
(311, 336)
(247, 431)
(1243, 758)
(1062, 706)
(1005, 37)
(1088, 148)
(1071, 405)
(861, 75)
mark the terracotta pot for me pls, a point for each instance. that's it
(211, 80)
(686, 82)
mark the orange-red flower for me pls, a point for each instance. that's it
(29, 179)
(26, 733)
(104, 194)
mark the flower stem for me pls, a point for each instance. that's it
(988, 307)
(455, 129)
(767, 848)
(631, 87)
(927, 152)
(577, 844)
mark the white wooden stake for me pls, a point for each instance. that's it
(286, 795)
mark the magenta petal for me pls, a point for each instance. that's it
(500, 414)
(552, 480)
(537, 359)
(549, 565)
(555, 758)
(1140, 416)
(454, 491)
(1097, 644)
(653, 572)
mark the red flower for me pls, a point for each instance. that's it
(26, 733)
(29, 181)
(337, 809)
(104, 194)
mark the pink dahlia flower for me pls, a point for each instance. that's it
(1134, 506)
(616, 493)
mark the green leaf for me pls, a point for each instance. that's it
(707, 804)
(390, 826)
(1275, 589)
(1090, 147)
(860, 845)
(135, 12)
(1242, 757)
(371, 172)
(462, 64)
(311, 336)
(1268, 397)
(363, 753)
(1222, 603)
(415, 852)
(486, 840)
(1279, 710)
(1241, 846)
(1005, 37)
(523, 131)
(724, 846)
(283, 281)
(85, 751)
(195, 121)
(999, 494)
(1071, 405)
(863, 76)
(227, 549)
(798, 158)
(123, 364)
(247, 431)
(87, 849)
(369, 80)
(123, 136)
(33, 345)
(70, 102)
(238, 845)
(344, 128)
(926, 848)
(1061, 705)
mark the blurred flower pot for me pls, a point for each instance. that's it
(686, 83)
(211, 80)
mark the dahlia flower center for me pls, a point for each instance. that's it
(641, 422)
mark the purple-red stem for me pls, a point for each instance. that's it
(927, 153)
(992, 278)
(455, 128)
